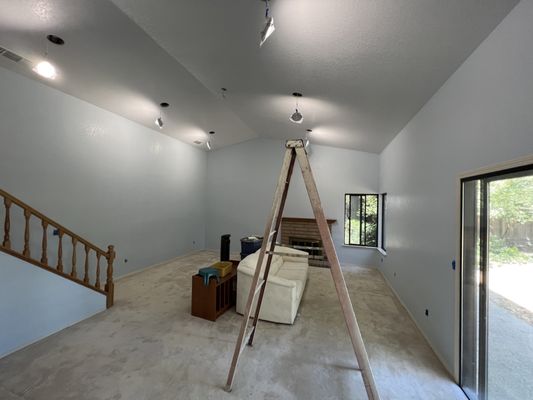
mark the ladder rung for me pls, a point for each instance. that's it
(249, 334)
(258, 288)
(246, 339)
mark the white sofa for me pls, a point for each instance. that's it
(284, 288)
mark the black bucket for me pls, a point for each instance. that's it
(250, 245)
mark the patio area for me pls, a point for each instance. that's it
(510, 360)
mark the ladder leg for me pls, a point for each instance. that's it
(272, 246)
(338, 278)
(267, 237)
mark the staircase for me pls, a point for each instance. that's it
(88, 274)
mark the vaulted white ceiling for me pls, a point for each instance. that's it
(365, 67)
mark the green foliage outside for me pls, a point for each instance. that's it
(511, 201)
(501, 252)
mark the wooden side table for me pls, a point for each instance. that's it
(211, 301)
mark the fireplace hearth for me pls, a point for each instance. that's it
(303, 234)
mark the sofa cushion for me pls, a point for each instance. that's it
(294, 266)
(288, 251)
(250, 262)
(299, 275)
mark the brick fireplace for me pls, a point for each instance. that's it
(303, 232)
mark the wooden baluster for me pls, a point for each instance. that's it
(44, 256)
(7, 224)
(73, 271)
(27, 215)
(86, 276)
(60, 252)
(97, 284)
(109, 286)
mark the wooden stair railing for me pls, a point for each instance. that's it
(89, 248)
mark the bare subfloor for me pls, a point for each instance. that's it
(148, 346)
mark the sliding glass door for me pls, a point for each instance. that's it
(497, 285)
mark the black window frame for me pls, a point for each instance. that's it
(362, 220)
(383, 197)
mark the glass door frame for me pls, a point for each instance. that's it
(484, 176)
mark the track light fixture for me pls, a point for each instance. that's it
(159, 121)
(45, 68)
(297, 116)
(307, 141)
(269, 25)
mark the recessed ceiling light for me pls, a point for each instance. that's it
(309, 130)
(211, 132)
(208, 143)
(197, 142)
(164, 104)
(159, 122)
(55, 40)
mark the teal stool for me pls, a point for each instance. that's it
(207, 273)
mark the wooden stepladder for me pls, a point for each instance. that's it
(295, 149)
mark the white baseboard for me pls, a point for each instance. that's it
(130, 274)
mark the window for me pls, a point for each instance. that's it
(361, 219)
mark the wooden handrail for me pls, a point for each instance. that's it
(42, 261)
(51, 222)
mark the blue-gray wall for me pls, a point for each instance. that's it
(35, 303)
(482, 115)
(108, 179)
(242, 180)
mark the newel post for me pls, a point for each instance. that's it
(110, 286)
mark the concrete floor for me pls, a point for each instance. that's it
(148, 346)
(510, 354)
